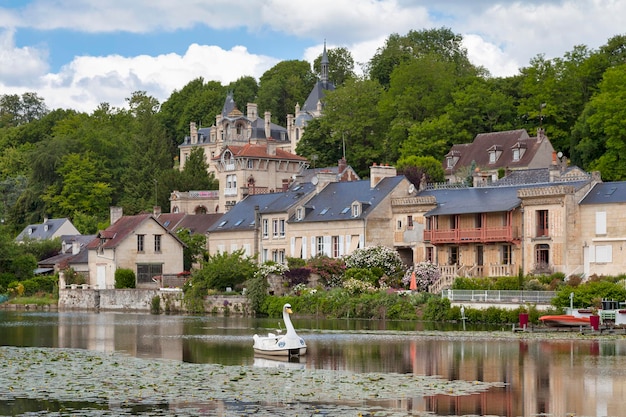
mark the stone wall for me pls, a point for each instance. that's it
(140, 300)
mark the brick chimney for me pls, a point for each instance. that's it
(380, 172)
(156, 211)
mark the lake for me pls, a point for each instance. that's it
(547, 374)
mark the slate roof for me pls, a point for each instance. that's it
(606, 193)
(64, 258)
(195, 223)
(539, 175)
(478, 150)
(42, 231)
(482, 199)
(333, 202)
(241, 215)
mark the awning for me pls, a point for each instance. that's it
(43, 271)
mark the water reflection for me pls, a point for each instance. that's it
(553, 377)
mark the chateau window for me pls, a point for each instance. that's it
(601, 223)
(430, 254)
(492, 157)
(265, 228)
(140, 241)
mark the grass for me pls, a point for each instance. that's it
(42, 300)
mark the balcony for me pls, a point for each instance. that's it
(475, 235)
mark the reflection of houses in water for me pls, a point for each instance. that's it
(136, 334)
(542, 377)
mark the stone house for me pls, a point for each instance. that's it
(49, 229)
(491, 153)
(602, 228)
(139, 243)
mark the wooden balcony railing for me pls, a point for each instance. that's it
(477, 235)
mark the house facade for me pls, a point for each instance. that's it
(528, 222)
(603, 229)
(139, 243)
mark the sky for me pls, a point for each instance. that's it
(77, 54)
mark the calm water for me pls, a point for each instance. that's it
(543, 377)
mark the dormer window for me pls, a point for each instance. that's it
(518, 151)
(516, 154)
(494, 153)
(450, 162)
(299, 213)
(356, 209)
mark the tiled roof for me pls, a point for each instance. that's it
(478, 150)
(260, 151)
(118, 231)
(195, 223)
(606, 193)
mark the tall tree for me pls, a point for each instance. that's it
(340, 65)
(283, 86)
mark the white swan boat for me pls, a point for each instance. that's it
(289, 344)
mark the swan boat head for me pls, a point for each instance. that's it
(281, 345)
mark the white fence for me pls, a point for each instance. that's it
(496, 296)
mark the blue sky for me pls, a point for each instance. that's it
(79, 53)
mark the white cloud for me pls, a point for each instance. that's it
(20, 66)
(88, 81)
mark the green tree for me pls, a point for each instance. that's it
(606, 113)
(245, 90)
(340, 65)
(222, 270)
(194, 175)
(413, 167)
(283, 86)
(195, 247)
(82, 188)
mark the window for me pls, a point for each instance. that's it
(145, 272)
(356, 210)
(278, 256)
(231, 185)
(492, 157)
(450, 162)
(453, 255)
(604, 254)
(507, 255)
(299, 213)
(250, 164)
(542, 223)
(399, 227)
(478, 220)
(335, 246)
(542, 257)
(275, 228)
(157, 243)
(430, 254)
(140, 240)
(601, 223)
(265, 229)
(409, 222)
(281, 228)
(320, 245)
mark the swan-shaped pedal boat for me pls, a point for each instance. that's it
(289, 344)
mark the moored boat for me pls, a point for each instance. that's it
(564, 320)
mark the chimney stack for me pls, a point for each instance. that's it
(115, 214)
(380, 172)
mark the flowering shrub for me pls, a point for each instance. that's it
(355, 286)
(329, 269)
(374, 257)
(270, 267)
(426, 273)
(297, 276)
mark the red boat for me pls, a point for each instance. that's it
(564, 320)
